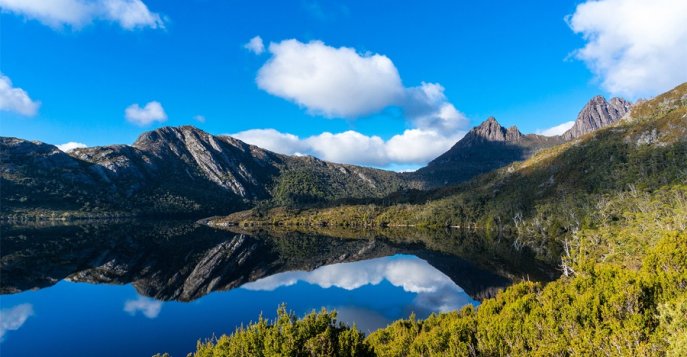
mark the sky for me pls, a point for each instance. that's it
(378, 83)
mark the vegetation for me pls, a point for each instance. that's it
(610, 207)
(316, 334)
(606, 304)
(543, 199)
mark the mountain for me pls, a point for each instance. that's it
(490, 146)
(629, 165)
(596, 114)
(186, 171)
(484, 148)
(171, 170)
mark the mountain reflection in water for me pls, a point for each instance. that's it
(154, 279)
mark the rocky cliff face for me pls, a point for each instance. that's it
(596, 114)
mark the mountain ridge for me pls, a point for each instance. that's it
(173, 170)
(182, 170)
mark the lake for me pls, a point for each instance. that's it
(140, 287)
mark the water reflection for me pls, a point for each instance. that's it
(14, 318)
(146, 306)
(183, 261)
(143, 276)
(435, 292)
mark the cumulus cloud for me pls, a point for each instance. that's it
(636, 47)
(16, 100)
(273, 140)
(129, 14)
(435, 291)
(340, 82)
(148, 307)
(255, 45)
(412, 147)
(334, 82)
(13, 318)
(557, 130)
(67, 147)
(199, 118)
(151, 112)
(343, 83)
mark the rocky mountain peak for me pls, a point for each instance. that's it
(168, 135)
(596, 114)
(491, 130)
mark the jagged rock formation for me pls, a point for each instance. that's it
(596, 114)
(485, 148)
(173, 170)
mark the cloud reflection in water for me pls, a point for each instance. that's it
(13, 318)
(435, 292)
(148, 307)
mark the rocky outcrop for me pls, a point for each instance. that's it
(596, 114)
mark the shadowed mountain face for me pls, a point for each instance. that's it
(483, 149)
(173, 171)
(184, 261)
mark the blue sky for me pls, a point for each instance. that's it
(521, 62)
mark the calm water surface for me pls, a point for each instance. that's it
(136, 289)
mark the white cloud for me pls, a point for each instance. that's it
(13, 318)
(129, 14)
(16, 99)
(636, 47)
(255, 45)
(199, 118)
(349, 146)
(151, 112)
(428, 108)
(334, 82)
(67, 147)
(148, 307)
(273, 140)
(412, 147)
(341, 82)
(557, 130)
(435, 291)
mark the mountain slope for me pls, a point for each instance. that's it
(483, 149)
(490, 146)
(180, 170)
(550, 195)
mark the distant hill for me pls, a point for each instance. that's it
(172, 170)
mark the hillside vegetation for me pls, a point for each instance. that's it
(546, 198)
(610, 207)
